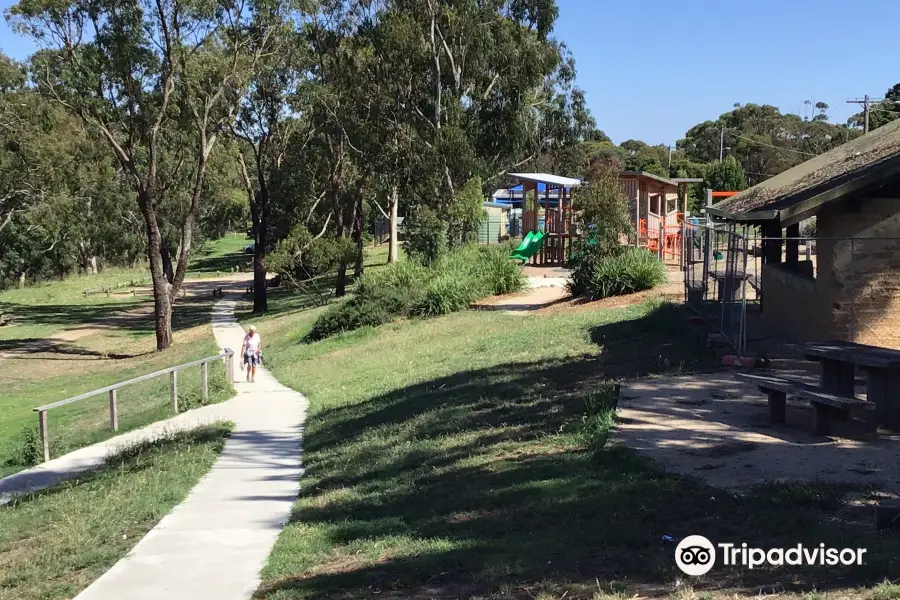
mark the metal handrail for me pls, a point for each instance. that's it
(227, 354)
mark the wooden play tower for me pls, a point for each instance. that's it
(551, 213)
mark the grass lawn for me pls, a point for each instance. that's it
(62, 344)
(54, 543)
(446, 458)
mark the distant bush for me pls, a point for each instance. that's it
(408, 288)
(426, 236)
(634, 270)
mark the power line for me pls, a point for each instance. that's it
(866, 104)
(771, 145)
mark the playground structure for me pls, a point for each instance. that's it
(548, 222)
(659, 205)
(550, 228)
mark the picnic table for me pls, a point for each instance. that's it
(839, 361)
(728, 283)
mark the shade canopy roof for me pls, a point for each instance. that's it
(546, 178)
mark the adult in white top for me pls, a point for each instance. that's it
(251, 351)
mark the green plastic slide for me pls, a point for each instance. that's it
(529, 246)
(528, 239)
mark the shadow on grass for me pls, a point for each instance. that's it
(135, 318)
(26, 487)
(477, 484)
(210, 263)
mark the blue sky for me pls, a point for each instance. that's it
(654, 68)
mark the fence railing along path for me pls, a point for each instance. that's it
(227, 355)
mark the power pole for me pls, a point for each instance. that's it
(722, 144)
(866, 104)
(670, 157)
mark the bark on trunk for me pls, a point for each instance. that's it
(166, 257)
(340, 288)
(358, 233)
(162, 304)
(260, 294)
(392, 227)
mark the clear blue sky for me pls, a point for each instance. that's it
(654, 68)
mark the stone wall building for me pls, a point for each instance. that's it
(851, 290)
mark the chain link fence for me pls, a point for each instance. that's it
(714, 258)
(819, 289)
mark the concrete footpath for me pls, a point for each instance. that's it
(214, 544)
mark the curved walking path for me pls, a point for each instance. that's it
(214, 544)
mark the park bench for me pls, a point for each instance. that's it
(828, 407)
(839, 362)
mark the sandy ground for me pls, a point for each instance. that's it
(715, 428)
(547, 293)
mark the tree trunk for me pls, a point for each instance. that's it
(22, 280)
(340, 288)
(162, 304)
(166, 257)
(260, 294)
(392, 226)
(92, 266)
(358, 233)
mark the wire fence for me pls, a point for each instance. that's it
(792, 289)
(714, 259)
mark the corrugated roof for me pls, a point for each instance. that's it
(546, 178)
(818, 174)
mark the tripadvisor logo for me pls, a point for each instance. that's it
(696, 555)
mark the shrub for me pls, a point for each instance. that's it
(634, 270)
(465, 213)
(426, 236)
(445, 294)
(452, 283)
(362, 311)
(402, 274)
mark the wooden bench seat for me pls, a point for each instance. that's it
(827, 407)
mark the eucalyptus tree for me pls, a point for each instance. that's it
(159, 80)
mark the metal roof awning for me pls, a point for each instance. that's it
(556, 180)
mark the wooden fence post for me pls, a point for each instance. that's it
(204, 383)
(113, 410)
(45, 436)
(173, 389)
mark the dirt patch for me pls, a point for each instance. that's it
(527, 302)
(715, 428)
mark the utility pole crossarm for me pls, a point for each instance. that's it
(866, 103)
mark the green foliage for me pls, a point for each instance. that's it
(364, 311)
(809, 229)
(29, 448)
(602, 208)
(408, 288)
(465, 213)
(599, 416)
(426, 235)
(725, 175)
(634, 270)
(300, 256)
(446, 293)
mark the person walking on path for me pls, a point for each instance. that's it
(251, 350)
